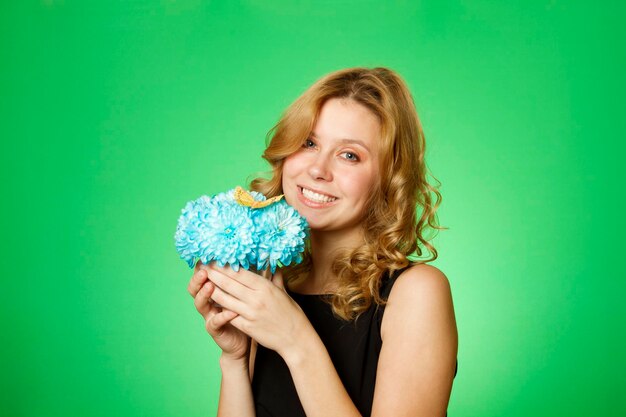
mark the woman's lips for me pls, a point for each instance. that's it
(315, 203)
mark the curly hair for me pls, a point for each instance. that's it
(393, 231)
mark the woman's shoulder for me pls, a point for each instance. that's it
(422, 277)
(415, 277)
(419, 342)
(418, 291)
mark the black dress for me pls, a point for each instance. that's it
(353, 347)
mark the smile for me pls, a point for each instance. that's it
(316, 197)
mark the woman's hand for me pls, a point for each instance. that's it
(232, 341)
(264, 310)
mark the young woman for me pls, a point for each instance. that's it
(356, 329)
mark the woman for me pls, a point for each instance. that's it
(356, 329)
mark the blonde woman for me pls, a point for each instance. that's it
(357, 329)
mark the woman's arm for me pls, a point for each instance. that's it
(268, 315)
(235, 393)
(417, 360)
(235, 390)
(418, 356)
(319, 387)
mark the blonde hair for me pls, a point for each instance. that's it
(393, 232)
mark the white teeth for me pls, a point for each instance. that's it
(318, 198)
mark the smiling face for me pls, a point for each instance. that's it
(329, 180)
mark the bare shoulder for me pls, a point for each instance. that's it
(420, 291)
(424, 277)
(419, 349)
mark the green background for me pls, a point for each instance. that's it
(115, 113)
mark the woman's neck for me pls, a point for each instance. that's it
(324, 249)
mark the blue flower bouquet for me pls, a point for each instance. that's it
(242, 229)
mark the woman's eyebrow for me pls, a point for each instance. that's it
(348, 140)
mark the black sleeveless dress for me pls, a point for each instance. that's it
(353, 347)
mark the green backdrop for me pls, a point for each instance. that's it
(115, 113)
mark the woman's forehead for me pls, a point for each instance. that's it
(347, 122)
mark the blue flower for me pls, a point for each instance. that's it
(282, 233)
(221, 229)
(227, 234)
(187, 236)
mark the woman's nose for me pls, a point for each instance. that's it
(320, 169)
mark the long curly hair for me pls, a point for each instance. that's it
(395, 230)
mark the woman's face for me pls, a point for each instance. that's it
(328, 181)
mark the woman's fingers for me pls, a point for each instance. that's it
(214, 319)
(229, 285)
(242, 324)
(198, 279)
(229, 302)
(243, 276)
(200, 266)
(215, 322)
(203, 301)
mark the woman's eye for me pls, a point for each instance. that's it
(308, 143)
(350, 156)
